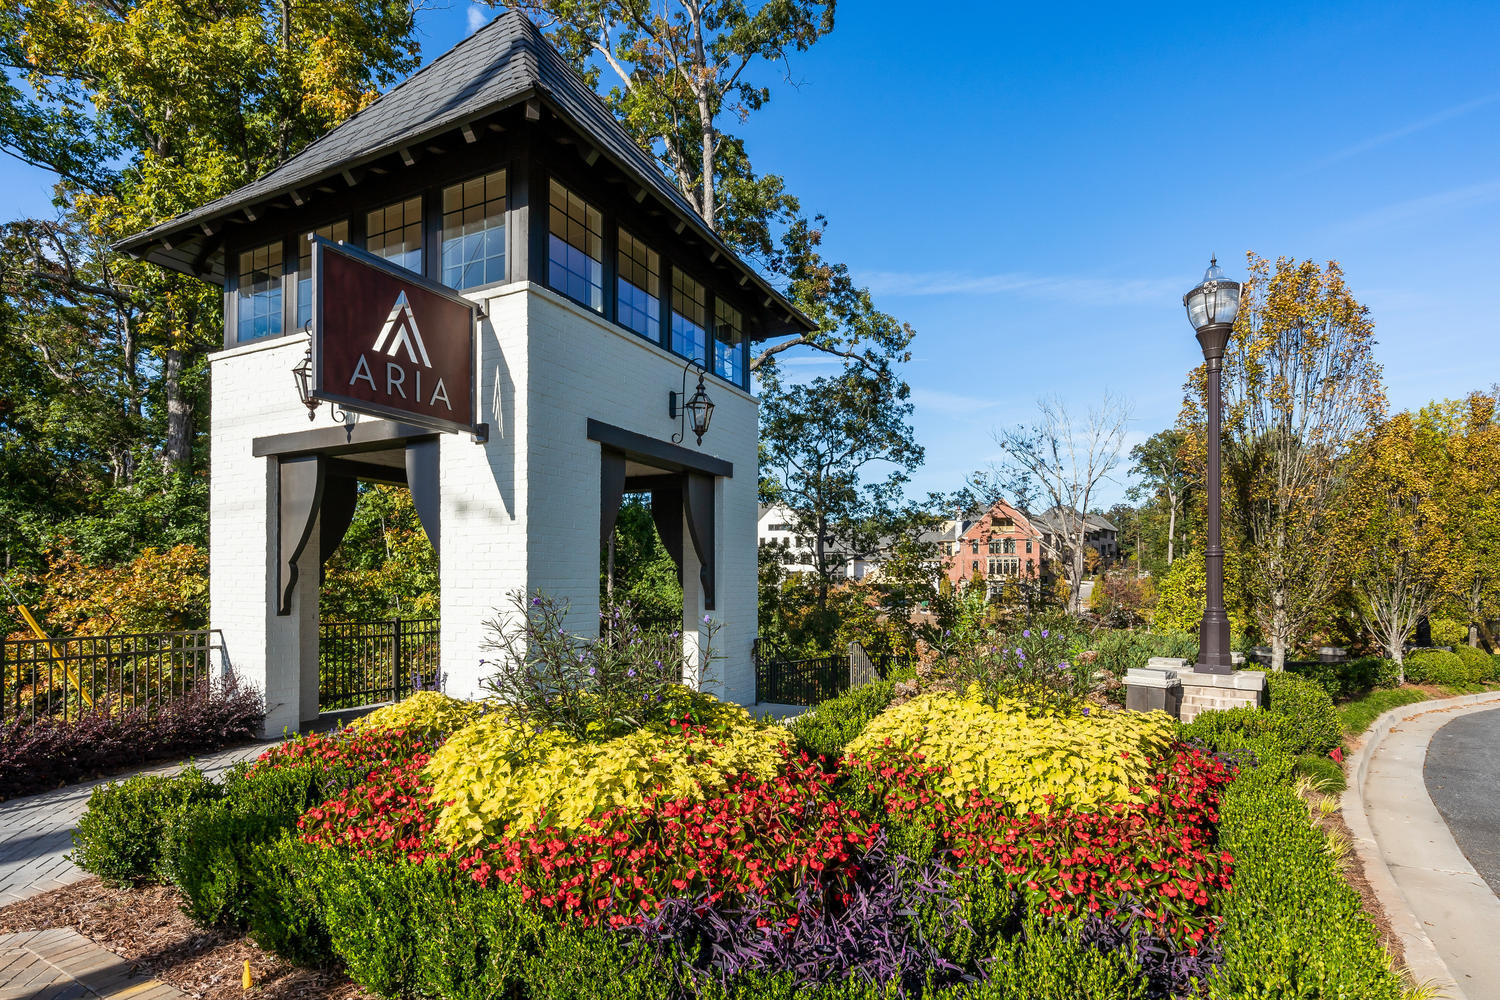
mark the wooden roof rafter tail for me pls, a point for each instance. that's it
(505, 64)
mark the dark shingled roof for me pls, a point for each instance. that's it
(502, 64)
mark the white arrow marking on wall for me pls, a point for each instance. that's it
(403, 324)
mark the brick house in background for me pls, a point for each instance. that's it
(999, 544)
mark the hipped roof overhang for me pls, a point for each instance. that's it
(501, 66)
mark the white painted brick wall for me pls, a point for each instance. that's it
(520, 512)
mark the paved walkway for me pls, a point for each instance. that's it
(36, 831)
(61, 964)
(1463, 778)
(1444, 913)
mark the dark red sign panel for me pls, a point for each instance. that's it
(390, 343)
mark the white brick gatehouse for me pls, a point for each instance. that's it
(497, 173)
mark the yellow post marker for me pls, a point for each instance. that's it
(245, 976)
(46, 641)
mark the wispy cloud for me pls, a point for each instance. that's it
(478, 17)
(1066, 288)
(1375, 141)
(1416, 209)
(950, 403)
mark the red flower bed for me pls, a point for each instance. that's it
(356, 751)
(390, 815)
(1153, 860)
(760, 837)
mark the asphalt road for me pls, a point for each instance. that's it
(1463, 777)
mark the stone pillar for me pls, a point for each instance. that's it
(1153, 689)
(1202, 692)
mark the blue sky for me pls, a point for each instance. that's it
(1034, 188)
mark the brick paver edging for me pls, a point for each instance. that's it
(61, 964)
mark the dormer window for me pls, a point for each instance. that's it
(638, 288)
(258, 305)
(395, 233)
(575, 248)
(473, 252)
(689, 317)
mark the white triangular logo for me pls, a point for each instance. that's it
(401, 328)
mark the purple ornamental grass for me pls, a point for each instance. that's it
(873, 937)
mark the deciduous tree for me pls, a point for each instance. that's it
(1302, 391)
(1061, 460)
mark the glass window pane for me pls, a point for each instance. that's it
(338, 232)
(395, 233)
(473, 237)
(575, 247)
(729, 336)
(638, 290)
(689, 317)
(258, 309)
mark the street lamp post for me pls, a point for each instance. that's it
(1211, 307)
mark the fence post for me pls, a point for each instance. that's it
(397, 664)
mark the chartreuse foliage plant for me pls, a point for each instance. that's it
(1032, 764)
(499, 774)
(428, 715)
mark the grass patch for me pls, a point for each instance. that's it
(1358, 713)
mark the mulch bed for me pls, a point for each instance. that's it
(147, 926)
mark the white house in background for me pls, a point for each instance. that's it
(776, 526)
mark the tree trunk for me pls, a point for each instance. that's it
(177, 453)
(1280, 630)
(1473, 636)
(1171, 526)
(1398, 655)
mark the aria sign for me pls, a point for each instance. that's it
(389, 342)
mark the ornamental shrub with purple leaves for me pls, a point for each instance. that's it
(863, 927)
(46, 753)
(591, 688)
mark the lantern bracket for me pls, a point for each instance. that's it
(681, 406)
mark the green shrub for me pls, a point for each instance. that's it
(1479, 666)
(281, 907)
(1049, 962)
(1293, 926)
(1436, 666)
(1326, 771)
(1309, 722)
(1347, 679)
(1448, 632)
(1123, 649)
(119, 837)
(828, 729)
(209, 848)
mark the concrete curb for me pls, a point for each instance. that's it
(1423, 960)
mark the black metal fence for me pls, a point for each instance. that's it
(801, 681)
(366, 663)
(62, 679)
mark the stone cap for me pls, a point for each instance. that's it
(1168, 662)
(1153, 681)
(1151, 677)
(1239, 680)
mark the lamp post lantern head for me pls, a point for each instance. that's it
(1211, 307)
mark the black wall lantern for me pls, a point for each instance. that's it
(698, 407)
(302, 375)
